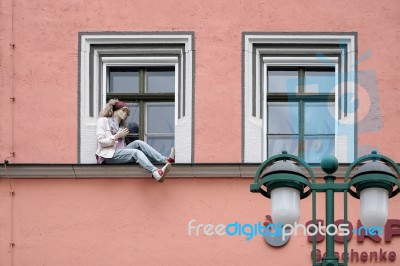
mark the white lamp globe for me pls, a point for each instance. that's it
(373, 196)
(285, 205)
(285, 198)
(374, 207)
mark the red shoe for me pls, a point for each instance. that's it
(171, 157)
(160, 174)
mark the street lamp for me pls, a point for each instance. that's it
(374, 181)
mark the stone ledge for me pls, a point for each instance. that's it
(185, 171)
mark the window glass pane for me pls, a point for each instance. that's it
(160, 118)
(133, 123)
(161, 144)
(160, 79)
(133, 118)
(283, 118)
(124, 81)
(319, 118)
(316, 147)
(283, 81)
(276, 144)
(319, 81)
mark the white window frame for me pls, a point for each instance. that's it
(87, 123)
(254, 132)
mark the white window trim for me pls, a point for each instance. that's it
(87, 125)
(254, 146)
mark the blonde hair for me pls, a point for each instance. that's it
(108, 112)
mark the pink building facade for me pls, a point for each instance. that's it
(207, 78)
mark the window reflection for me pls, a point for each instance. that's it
(160, 80)
(124, 81)
(318, 146)
(282, 81)
(160, 118)
(161, 144)
(160, 126)
(279, 143)
(319, 81)
(283, 118)
(133, 123)
(319, 118)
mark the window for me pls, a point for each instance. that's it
(150, 95)
(153, 74)
(300, 111)
(299, 95)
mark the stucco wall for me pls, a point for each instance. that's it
(140, 222)
(41, 70)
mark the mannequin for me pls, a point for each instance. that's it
(111, 149)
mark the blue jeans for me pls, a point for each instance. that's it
(140, 152)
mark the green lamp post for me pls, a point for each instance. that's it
(374, 181)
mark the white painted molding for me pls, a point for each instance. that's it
(184, 125)
(254, 133)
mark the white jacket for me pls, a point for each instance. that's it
(106, 143)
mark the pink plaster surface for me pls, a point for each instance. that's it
(140, 222)
(41, 71)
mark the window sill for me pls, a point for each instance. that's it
(183, 171)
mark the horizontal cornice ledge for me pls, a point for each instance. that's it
(184, 171)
